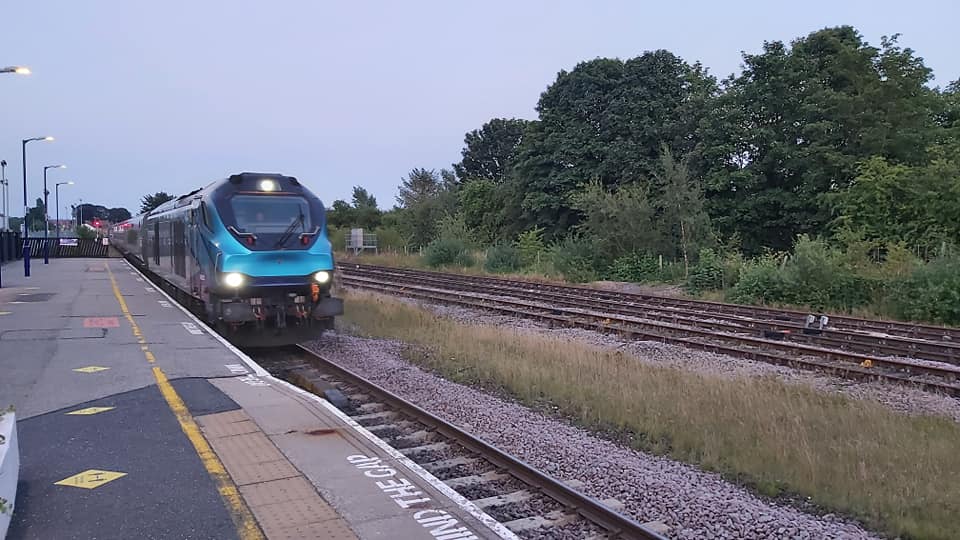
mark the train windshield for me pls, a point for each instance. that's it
(270, 214)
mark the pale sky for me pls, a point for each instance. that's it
(171, 95)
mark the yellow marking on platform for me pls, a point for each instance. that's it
(243, 519)
(90, 479)
(91, 369)
(91, 410)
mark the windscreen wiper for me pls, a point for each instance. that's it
(289, 232)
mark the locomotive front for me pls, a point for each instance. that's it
(272, 264)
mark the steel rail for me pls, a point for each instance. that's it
(615, 524)
(904, 329)
(865, 343)
(849, 365)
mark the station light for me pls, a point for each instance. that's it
(322, 277)
(233, 279)
(268, 185)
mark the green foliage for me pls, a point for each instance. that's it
(149, 202)
(425, 196)
(531, 247)
(86, 233)
(635, 267)
(795, 124)
(575, 259)
(931, 293)
(447, 252)
(606, 121)
(489, 152)
(389, 239)
(708, 273)
(481, 203)
(502, 258)
(814, 275)
(337, 237)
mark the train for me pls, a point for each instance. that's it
(248, 253)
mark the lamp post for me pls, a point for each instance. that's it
(56, 198)
(3, 188)
(19, 70)
(46, 213)
(26, 209)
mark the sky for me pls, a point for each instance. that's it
(169, 96)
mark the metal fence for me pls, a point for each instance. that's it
(11, 247)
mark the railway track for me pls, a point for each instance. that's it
(839, 322)
(528, 502)
(854, 355)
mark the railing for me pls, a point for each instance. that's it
(11, 247)
(69, 247)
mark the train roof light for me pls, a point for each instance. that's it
(267, 185)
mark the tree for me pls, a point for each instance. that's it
(340, 214)
(794, 125)
(116, 215)
(489, 152)
(35, 216)
(423, 199)
(366, 215)
(149, 202)
(606, 121)
(680, 208)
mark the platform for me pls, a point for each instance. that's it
(136, 421)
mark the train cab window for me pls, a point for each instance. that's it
(257, 214)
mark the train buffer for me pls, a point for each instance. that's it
(134, 420)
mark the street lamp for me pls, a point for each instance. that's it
(19, 70)
(46, 213)
(56, 198)
(26, 209)
(3, 188)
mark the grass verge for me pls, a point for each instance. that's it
(897, 473)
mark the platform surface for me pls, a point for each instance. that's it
(135, 421)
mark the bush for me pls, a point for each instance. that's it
(707, 274)
(575, 259)
(447, 251)
(502, 258)
(760, 282)
(635, 267)
(389, 239)
(931, 293)
(530, 246)
(337, 237)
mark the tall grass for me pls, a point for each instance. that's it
(898, 473)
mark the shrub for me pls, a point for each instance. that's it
(931, 293)
(447, 251)
(707, 274)
(760, 281)
(530, 246)
(635, 267)
(575, 259)
(502, 258)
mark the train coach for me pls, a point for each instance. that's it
(249, 253)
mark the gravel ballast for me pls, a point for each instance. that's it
(693, 503)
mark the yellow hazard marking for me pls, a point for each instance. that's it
(867, 363)
(90, 479)
(243, 519)
(91, 369)
(91, 410)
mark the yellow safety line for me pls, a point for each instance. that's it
(243, 519)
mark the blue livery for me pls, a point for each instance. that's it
(249, 252)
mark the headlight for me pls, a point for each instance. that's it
(233, 279)
(322, 277)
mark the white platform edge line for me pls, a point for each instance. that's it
(255, 367)
(500, 529)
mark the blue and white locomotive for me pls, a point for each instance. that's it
(249, 252)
